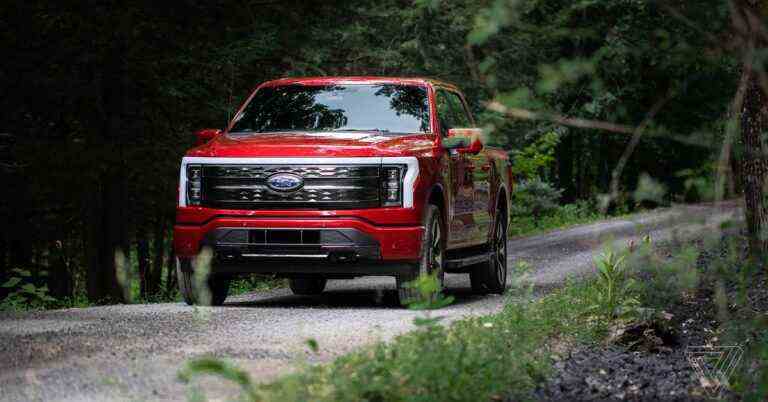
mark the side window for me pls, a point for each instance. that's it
(461, 116)
(451, 111)
(445, 111)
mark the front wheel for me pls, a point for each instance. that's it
(491, 275)
(211, 291)
(431, 261)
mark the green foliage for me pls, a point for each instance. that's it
(255, 283)
(666, 280)
(649, 189)
(534, 198)
(24, 292)
(211, 366)
(533, 161)
(561, 217)
(616, 293)
(608, 61)
(699, 183)
(430, 296)
(481, 358)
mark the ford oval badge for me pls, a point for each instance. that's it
(284, 182)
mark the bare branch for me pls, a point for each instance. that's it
(730, 133)
(525, 114)
(636, 135)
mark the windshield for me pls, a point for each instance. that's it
(387, 108)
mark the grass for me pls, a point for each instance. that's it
(255, 283)
(501, 355)
(506, 355)
(38, 299)
(561, 217)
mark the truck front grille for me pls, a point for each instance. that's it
(324, 187)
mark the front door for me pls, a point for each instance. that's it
(463, 228)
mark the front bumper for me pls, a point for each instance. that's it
(339, 246)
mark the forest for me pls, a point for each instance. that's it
(606, 106)
(638, 227)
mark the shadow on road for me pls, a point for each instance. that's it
(349, 298)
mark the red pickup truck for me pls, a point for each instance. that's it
(341, 177)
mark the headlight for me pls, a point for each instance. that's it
(392, 185)
(194, 184)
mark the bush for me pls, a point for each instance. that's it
(27, 291)
(534, 198)
(498, 357)
(562, 216)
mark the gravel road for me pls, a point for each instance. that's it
(133, 352)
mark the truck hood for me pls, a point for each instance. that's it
(313, 144)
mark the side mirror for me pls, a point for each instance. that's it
(205, 135)
(464, 140)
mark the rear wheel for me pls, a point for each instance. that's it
(431, 261)
(215, 289)
(307, 286)
(491, 275)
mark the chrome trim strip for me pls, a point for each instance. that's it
(409, 181)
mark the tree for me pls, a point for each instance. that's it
(748, 17)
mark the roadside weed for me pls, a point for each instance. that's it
(218, 367)
(614, 289)
(493, 357)
(26, 294)
(430, 296)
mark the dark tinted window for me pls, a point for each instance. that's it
(451, 111)
(386, 108)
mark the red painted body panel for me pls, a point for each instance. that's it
(397, 243)
(398, 230)
(316, 145)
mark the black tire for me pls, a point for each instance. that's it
(218, 286)
(431, 261)
(491, 276)
(307, 286)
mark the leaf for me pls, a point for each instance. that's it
(23, 272)
(425, 322)
(12, 282)
(29, 288)
(313, 346)
(219, 368)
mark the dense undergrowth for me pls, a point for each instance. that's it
(474, 359)
(509, 355)
(30, 292)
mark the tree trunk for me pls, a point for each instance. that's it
(59, 277)
(753, 123)
(159, 255)
(170, 281)
(94, 242)
(142, 254)
(565, 164)
(108, 272)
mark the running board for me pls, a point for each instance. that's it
(459, 263)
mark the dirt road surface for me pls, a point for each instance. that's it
(134, 352)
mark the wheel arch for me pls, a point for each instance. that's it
(502, 201)
(437, 197)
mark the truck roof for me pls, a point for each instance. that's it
(357, 80)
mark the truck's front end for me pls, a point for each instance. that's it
(314, 179)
